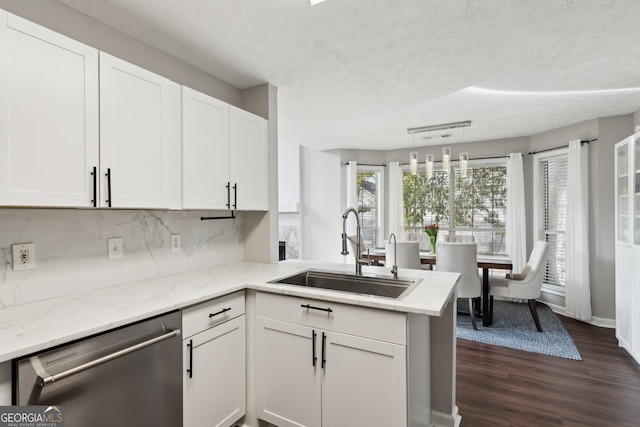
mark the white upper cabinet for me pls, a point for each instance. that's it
(139, 137)
(205, 151)
(48, 116)
(249, 160)
(225, 158)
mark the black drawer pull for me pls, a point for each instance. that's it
(190, 370)
(324, 351)
(313, 348)
(310, 307)
(95, 187)
(108, 175)
(224, 310)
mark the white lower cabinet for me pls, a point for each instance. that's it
(214, 362)
(311, 375)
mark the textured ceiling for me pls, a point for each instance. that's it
(358, 73)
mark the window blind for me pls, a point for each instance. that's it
(553, 210)
(369, 198)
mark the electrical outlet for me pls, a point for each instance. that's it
(114, 248)
(24, 256)
(176, 243)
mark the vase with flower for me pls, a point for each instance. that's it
(432, 232)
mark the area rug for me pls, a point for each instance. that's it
(513, 327)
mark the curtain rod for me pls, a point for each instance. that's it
(455, 160)
(563, 146)
(363, 164)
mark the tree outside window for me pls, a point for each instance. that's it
(473, 205)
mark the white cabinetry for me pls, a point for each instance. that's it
(627, 190)
(248, 160)
(205, 151)
(48, 116)
(323, 363)
(139, 137)
(225, 158)
(214, 362)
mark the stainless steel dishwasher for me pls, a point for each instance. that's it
(131, 376)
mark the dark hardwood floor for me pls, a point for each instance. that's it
(498, 386)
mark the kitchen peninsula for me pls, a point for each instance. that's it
(426, 386)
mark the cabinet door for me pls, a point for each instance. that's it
(214, 390)
(248, 160)
(632, 306)
(622, 192)
(48, 116)
(205, 151)
(364, 382)
(624, 281)
(287, 376)
(139, 137)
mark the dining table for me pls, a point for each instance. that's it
(485, 262)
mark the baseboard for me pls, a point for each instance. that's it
(441, 419)
(595, 321)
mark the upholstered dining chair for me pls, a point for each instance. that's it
(408, 254)
(462, 257)
(524, 285)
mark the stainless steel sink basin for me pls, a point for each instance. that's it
(387, 287)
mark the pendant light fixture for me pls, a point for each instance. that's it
(446, 158)
(428, 161)
(413, 159)
(413, 162)
(464, 164)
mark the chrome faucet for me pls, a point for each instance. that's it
(358, 242)
(394, 269)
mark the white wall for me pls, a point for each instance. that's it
(321, 215)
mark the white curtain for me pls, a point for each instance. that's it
(577, 287)
(516, 225)
(351, 196)
(396, 201)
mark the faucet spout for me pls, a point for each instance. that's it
(358, 242)
(394, 269)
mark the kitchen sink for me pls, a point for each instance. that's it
(379, 286)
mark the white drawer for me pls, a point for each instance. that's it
(364, 322)
(210, 313)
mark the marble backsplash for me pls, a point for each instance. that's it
(289, 235)
(71, 248)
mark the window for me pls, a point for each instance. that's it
(474, 205)
(550, 178)
(370, 185)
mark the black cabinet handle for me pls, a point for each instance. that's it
(190, 370)
(311, 307)
(224, 310)
(108, 175)
(235, 196)
(95, 187)
(313, 347)
(324, 350)
(228, 186)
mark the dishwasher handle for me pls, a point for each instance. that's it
(48, 379)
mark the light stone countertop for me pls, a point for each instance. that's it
(36, 326)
